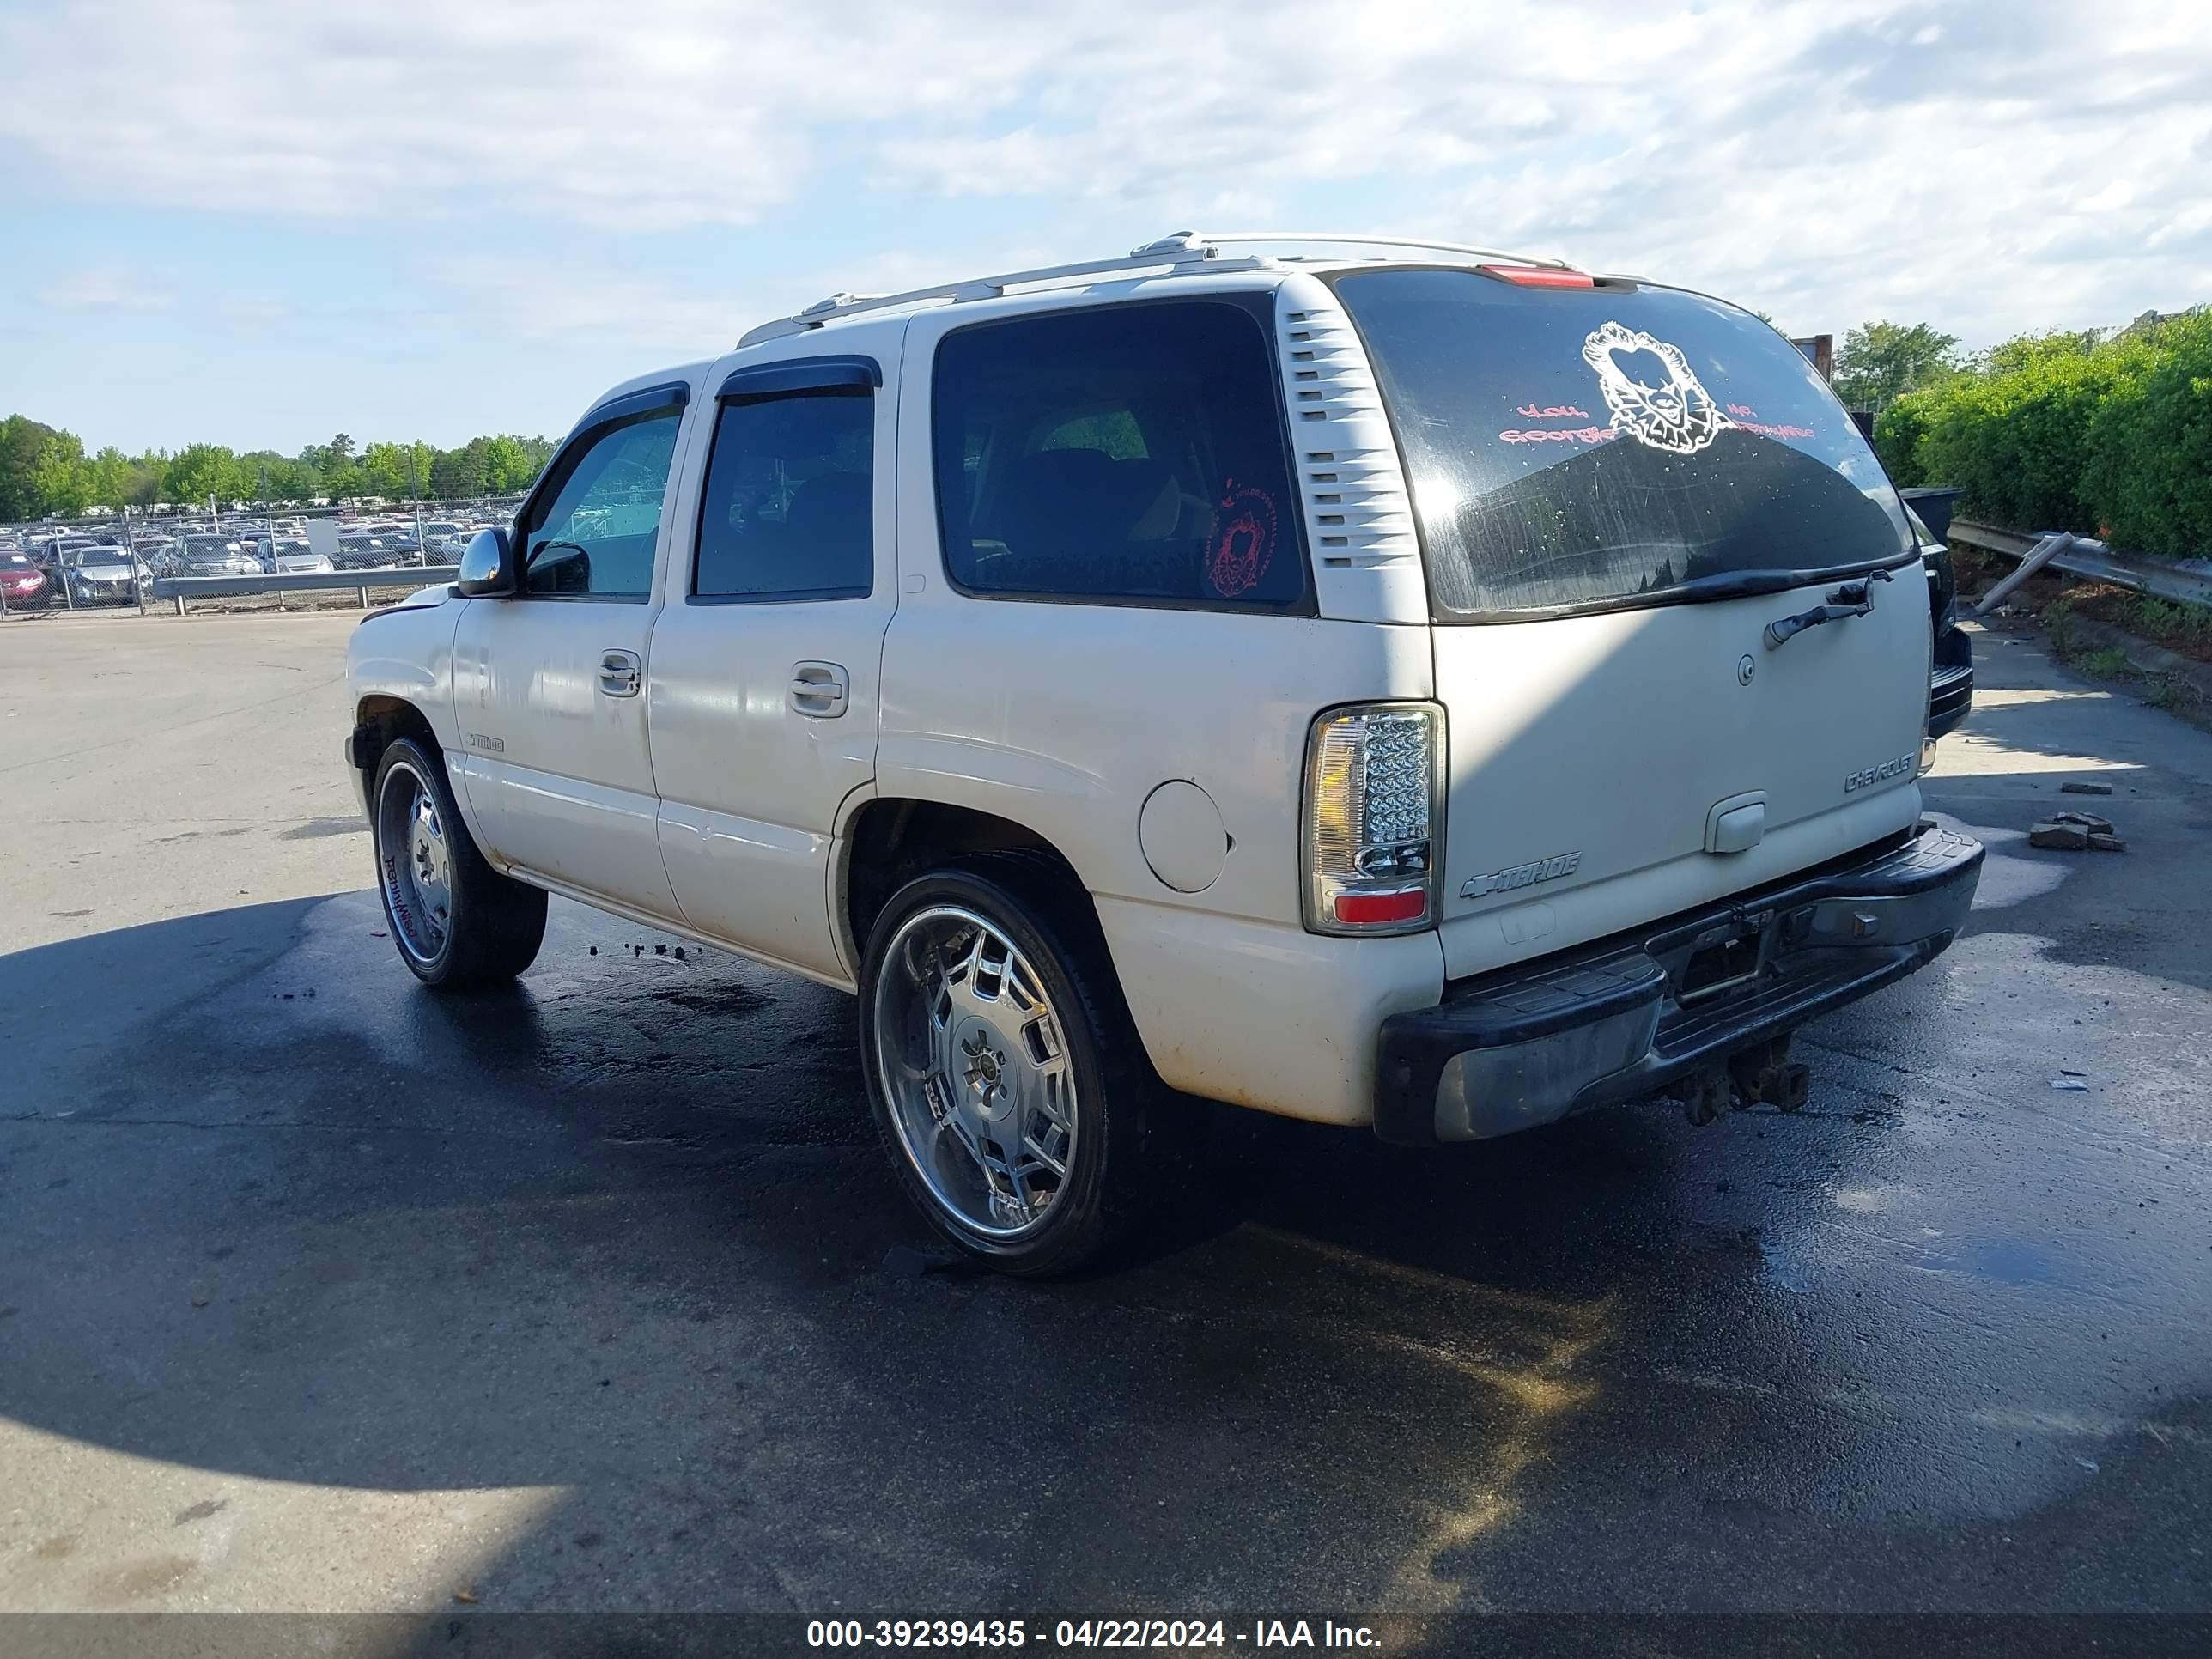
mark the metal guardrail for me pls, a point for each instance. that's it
(2093, 561)
(182, 589)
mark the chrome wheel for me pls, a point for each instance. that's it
(416, 863)
(973, 1062)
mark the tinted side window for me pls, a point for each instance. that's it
(1133, 452)
(788, 512)
(595, 534)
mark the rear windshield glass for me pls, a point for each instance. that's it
(1611, 446)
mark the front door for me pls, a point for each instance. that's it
(549, 683)
(763, 687)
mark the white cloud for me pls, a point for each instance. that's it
(105, 288)
(648, 115)
(1992, 165)
(558, 304)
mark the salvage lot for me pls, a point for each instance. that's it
(320, 1293)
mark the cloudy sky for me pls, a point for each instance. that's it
(260, 222)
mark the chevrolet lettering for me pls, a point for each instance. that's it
(1883, 774)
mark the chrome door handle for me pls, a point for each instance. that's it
(819, 690)
(620, 673)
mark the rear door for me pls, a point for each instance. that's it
(763, 697)
(1680, 630)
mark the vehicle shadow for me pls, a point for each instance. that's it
(623, 1235)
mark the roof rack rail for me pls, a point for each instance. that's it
(1184, 251)
(1342, 239)
(1184, 248)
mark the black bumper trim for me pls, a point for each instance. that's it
(1912, 893)
(1950, 698)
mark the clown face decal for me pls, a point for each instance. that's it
(1679, 415)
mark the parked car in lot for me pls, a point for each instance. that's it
(443, 537)
(101, 575)
(366, 552)
(21, 580)
(294, 555)
(209, 555)
(1408, 687)
(50, 551)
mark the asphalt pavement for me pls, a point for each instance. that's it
(318, 1292)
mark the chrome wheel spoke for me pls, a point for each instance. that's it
(971, 1049)
(950, 1128)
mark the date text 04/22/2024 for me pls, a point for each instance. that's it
(1087, 1633)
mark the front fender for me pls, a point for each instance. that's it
(405, 654)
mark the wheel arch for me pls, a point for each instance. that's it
(379, 721)
(886, 840)
(382, 718)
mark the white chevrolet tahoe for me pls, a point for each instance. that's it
(1396, 685)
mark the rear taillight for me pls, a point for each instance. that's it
(1374, 808)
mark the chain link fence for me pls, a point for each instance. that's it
(165, 562)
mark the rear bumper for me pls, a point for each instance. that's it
(1951, 687)
(1627, 1016)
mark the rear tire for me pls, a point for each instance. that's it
(1008, 1084)
(458, 924)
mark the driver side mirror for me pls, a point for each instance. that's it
(487, 569)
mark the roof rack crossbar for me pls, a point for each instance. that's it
(1184, 251)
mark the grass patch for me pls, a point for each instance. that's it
(2183, 629)
(2173, 694)
(2187, 629)
(2110, 664)
(2058, 618)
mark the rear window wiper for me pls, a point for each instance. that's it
(1853, 598)
(1733, 585)
(1745, 584)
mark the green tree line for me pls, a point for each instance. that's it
(2091, 431)
(45, 470)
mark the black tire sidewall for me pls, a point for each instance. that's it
(1076, 1223)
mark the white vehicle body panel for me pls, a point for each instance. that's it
(405, 654)
(1609, 740)
(750, 786)
(1264, 1015)
(1064, 717)
(560, 772)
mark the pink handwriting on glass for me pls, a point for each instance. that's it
(1556, 412)
(1571, 435)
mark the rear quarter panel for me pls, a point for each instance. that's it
(1065, 717)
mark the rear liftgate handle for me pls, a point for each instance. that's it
(1851, 599)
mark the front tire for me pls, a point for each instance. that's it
(460, 925)
(1008, 1085)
